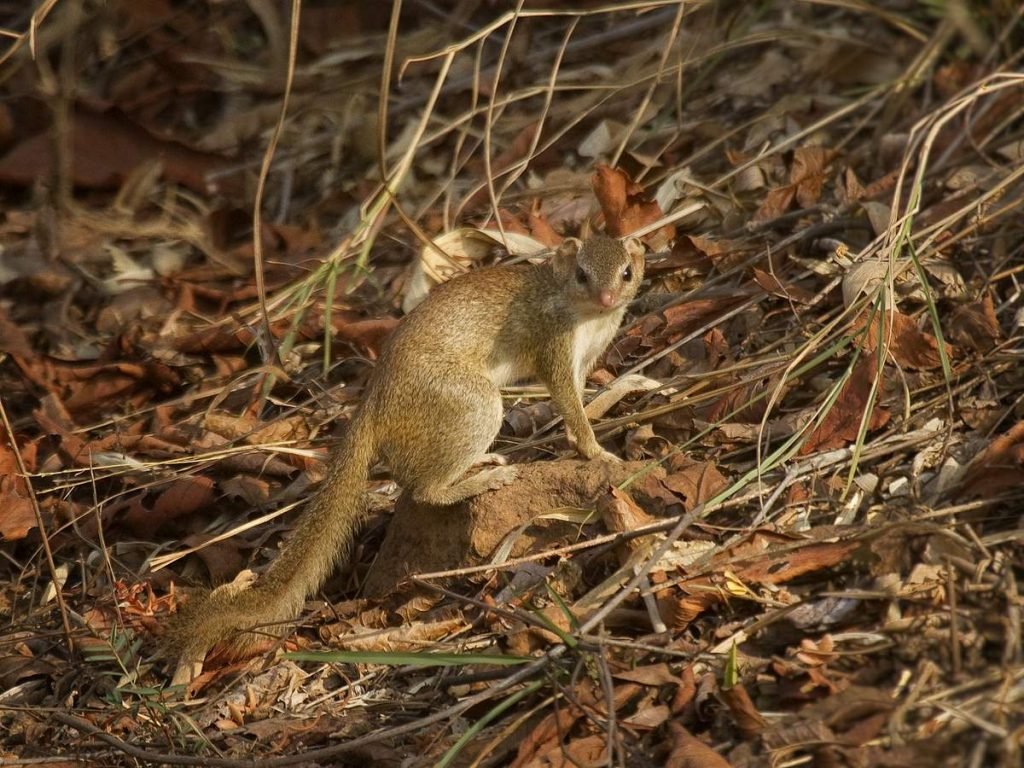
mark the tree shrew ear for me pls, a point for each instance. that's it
(633, 247)
(565, 255)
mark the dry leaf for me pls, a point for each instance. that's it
(807, 173)
(455, 252)
(775, 203)
(17, 515)
(690, 752)
(841, 424)
(975, 326)
(1000, 467)
(695, 482)
(626, 207)
(106, 147)
(905, 344)
(749, 721)
(773, 285)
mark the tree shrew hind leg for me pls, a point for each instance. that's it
(466, 417)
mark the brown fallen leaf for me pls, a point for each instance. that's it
(13, 340)
(17, 515)
(793, 561)
(814, 653)
(367, 334)
(681, 319)
(975, 326)
(546, 734)
(183, 497)
(540, 228)
(686, 691)
(690, 752)
(773, 285)
(807, 173)
(106, 147)
(654, 675)
(746, 403)
(775, 203)
(222, 558)
(695, 482)
(749, 721)
(254, 491)
(841, 424)
(648, 717)
(852, 190)
(691, 254)
(256, 432)
(620, 513)
(905, 344)
(1000, 467)
(762, 558)
(626, 207)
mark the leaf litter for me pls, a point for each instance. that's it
(815, 551)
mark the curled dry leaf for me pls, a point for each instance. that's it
(851, 190)
(686, 691)
(690, 752)
(455, 252)
(617, 390)
(749, 721)
(620, 514)
(815, 654)
(524, 420)
(627, 208)
(533, 224)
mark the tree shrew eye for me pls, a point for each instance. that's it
(581, 276)
(627, 274)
